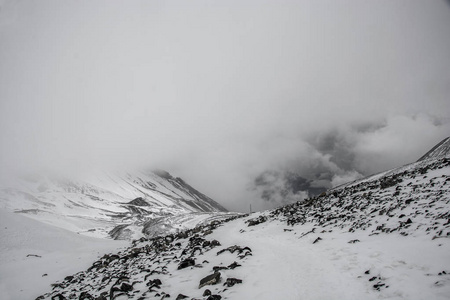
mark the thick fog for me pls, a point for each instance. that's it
(239, 98)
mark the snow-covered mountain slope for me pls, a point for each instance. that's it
(106, 204)
(383, 237)
(440, 150)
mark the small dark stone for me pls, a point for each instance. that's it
(378, 285)
(408, 221)
(233, 265)
(354, 241)
(125, 287)
(156, 281)
(186, 263)
(373, 278)
(316, 240)
(35, 255)
(214, 297)
(181, 296)
(218, 268)
(215, 243)
(232, 281)
(367, 272)
(207, 292)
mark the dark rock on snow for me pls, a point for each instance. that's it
(210, 280)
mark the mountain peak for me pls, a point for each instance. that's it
(442, 149)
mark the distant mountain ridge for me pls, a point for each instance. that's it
(106, 204)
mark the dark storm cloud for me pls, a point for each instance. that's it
(220, 92)
(280, 188)
(339, 155)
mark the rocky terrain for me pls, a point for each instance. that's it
(383, 237)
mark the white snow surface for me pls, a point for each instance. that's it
(29, 249)
(285, 266)
(383, 237)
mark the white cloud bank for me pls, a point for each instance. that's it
(219, 92)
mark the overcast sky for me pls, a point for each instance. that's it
(219, 92)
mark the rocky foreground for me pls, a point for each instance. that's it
(387, 236)
(141, 271)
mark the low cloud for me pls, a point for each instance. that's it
(221, 93)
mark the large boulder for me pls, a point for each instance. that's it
(210, 279)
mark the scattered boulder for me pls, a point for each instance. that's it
(256, 221)
(154, 283)
(186, 263)
(125, 287)
(215, 243)
(210, 280)
(233, 265)
(232, 281)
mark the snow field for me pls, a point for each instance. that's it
(54, 251)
